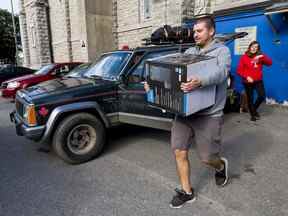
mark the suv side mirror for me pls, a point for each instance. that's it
(135, 79)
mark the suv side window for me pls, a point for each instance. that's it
(138, 73)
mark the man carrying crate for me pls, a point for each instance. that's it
(207, 123)
(203, 127)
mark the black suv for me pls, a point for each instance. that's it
(74, 112)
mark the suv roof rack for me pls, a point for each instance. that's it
(163, 45)
(223, 37)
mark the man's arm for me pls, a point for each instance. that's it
(221, 71)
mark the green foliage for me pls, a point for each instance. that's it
(7, 41)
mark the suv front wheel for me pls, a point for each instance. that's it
(79, 138)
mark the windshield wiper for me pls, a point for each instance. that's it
(72, 76)
(94, 76)
(111, 78)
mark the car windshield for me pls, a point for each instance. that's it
(44, 70)
(79, 70)
(108, 66)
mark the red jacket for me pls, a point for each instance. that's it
(249, 66)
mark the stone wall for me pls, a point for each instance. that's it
(59, 31)
(211, 6)
(42, 33)
(24, 33)
(78, 30)
(34, 31)
(65, 30)
(133, 26)
(115, 23)
(99, 23)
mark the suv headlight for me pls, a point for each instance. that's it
(30, 115)
(14, 84)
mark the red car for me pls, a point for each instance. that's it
(47, 72)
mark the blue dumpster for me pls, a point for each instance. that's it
(273, 38)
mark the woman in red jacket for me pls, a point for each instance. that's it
(250, 69)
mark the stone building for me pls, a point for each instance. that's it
(80, 30)
(65, 30)
(136, 19)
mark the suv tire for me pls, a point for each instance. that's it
(79, 138)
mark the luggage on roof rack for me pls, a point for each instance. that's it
(170, 35)
(182, 35)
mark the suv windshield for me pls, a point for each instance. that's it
(44, 70)
(108, 66)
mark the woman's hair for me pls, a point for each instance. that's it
(250, 45)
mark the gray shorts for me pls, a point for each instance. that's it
(203, 131)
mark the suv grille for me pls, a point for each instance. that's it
(19, 108)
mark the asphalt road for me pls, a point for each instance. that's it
(136, 174)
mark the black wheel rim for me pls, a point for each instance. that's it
(81, 139)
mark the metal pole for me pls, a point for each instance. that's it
(15, 36)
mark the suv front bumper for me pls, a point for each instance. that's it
(32, 133)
